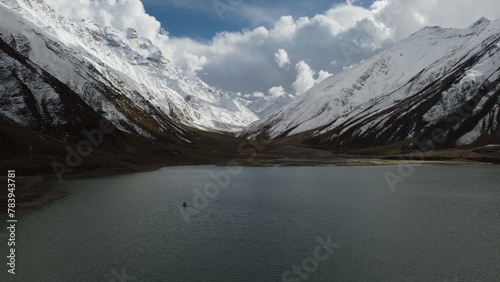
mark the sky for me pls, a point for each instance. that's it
(268, 48)
(203, 19)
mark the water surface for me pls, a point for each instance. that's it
(441, 223)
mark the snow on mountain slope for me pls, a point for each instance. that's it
(78, 52)
(265, 106)
(405, 92)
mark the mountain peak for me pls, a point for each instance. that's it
(403, 93)
(76, 52)
(480, 22)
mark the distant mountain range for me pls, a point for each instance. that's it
(61, 79)
(439, 85)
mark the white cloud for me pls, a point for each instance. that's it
(322, 75)
(349, 67)
(277, 91)
(248, 61)
(258, 94)
(194, 63)
(282, 58)
(305, 78)
(408, 17)
(345, 34)
(119, 14)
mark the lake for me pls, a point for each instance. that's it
(438, 223)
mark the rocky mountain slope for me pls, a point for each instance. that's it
(48, 128)
(76, 97)
(439, 85)
(112, 71)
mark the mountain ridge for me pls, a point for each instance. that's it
(53, 93)
(61, 79)
(124, 56)
(354, 108)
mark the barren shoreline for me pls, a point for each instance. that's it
(36, 191)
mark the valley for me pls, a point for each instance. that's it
(433, 97)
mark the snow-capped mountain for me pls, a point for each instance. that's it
(267, 105)
(437, 84)
(112, 71)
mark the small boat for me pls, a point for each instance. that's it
(184, 204)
